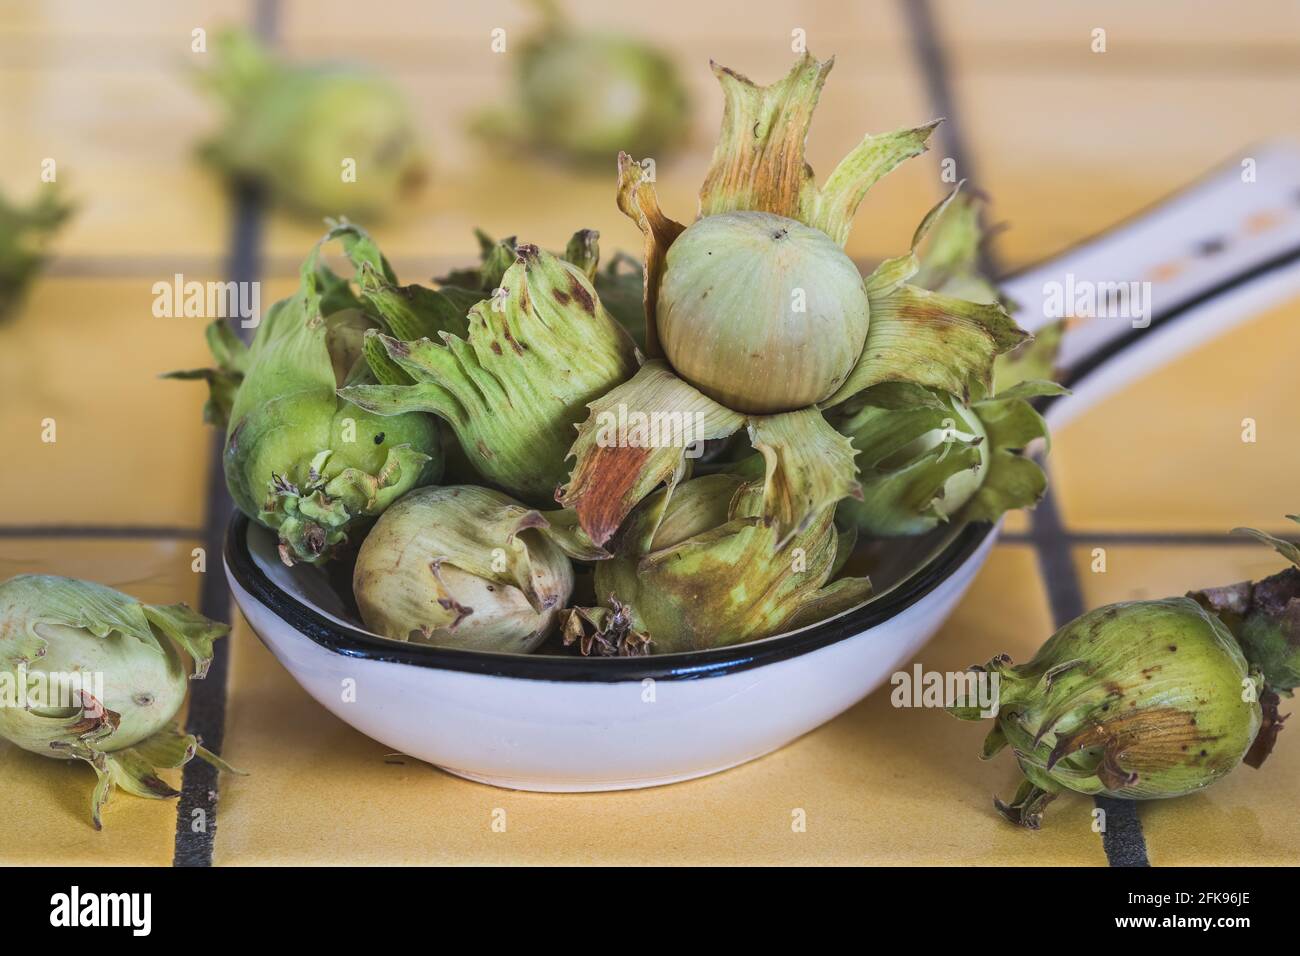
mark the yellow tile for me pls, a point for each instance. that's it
(123, 141)
(47, 817)
(1066, 155)
(1144, 572)
(994, 25)
(1067, 141)
(450, 76)
(122, 19)
(1247, 818)
(156, 571)
(123, 136)
(879, 784)
(47, 802)
(129, 447)
(1017, 522)
(1166, 453)
(827, 23)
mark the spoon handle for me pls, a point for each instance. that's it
(1177, 274)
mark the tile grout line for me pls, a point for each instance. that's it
(196, 813)
(1194, 539)
(1122, 840)
(108, 531)
(934, 66)
(1048, 536)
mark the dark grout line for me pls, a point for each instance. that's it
(149, 268)
(1122, 839)
(196, 813)
(1048, 535)
(152, 268)
(934, 66)
(1178, 539)
(111, 532)
(929, 50)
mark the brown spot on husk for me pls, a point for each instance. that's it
(461, 611)
(582, 295)
(156, 785)
(511, 339)
(1154, 739)
(1111, 774)
(94, 717)
(601, 492)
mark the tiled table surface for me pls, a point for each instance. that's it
(1064, 140)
